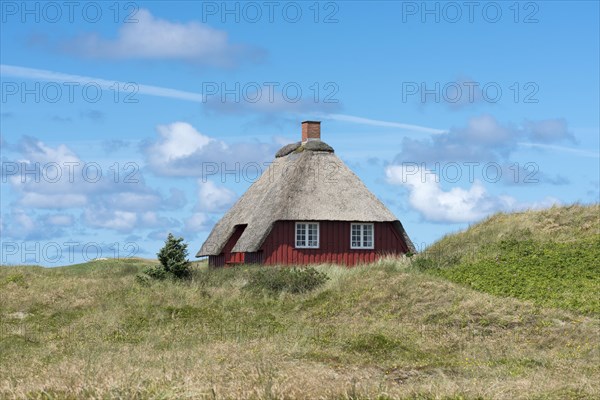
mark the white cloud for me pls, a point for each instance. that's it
(130, 201)
(56, 178)
(125, 221)
(212, 198)
(20, 225)
(60, 219)
(154, 38)
(122, 221)
(178, 140)
(49, 177)
(455, 205)
(149, 218)
(198, 222)
(548, 130)
(483, 138)
(53, 201)
(181, 150)
(485, 130)
(38, 152)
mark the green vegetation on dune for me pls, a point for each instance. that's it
(551, 257)
(565, 275)
(384, 330)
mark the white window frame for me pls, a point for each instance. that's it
(362, 241)
(306, 224)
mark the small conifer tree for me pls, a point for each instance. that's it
(173, 257)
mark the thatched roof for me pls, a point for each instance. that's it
(314, 145)
(305, 182)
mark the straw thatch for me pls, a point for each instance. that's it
(287, 149)
(307, 183)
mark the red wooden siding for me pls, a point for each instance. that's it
(226, 256)
(334, 244)
(216, 261)
(254, 257)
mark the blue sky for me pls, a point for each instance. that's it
(122, 122)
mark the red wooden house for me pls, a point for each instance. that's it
(307, 207)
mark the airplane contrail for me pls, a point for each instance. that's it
(158, 91)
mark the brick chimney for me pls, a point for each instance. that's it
(311, 130)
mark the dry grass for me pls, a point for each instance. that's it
(556, 224)
(376, 331)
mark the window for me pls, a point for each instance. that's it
(307, 235)
(361, 236)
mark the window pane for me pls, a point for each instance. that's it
(300, 235)
(313, 235)
(368, 235)
(354, 235)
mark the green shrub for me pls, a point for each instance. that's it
(143, 279)
(173, 257)
(173, 262)
(156, 272)
(424, 262)
(292, 280)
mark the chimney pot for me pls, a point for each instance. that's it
(311, 130)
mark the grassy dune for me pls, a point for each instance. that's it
(551, 257)
(385, 330)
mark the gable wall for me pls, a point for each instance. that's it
(226, 256)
